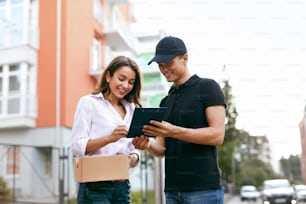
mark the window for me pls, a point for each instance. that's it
(97, 10)
(1, 90)
(15, 90)
(18, 22)
(13, 160)
(1, 81)
(2, 23)
(47, 159)
(96, 55)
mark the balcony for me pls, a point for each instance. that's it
(17, 122)
(117, 1)
(18, 112)
(21, 53)
(96, 65)
(118, 34)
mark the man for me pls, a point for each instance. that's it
(193, 127)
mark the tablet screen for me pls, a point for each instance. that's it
(142, 116)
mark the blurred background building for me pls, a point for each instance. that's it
(302, 126)
(265, 152)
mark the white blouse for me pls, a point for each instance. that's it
(96, 117)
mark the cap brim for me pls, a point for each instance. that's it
(161, 58)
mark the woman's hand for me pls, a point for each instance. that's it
(155, 148)
(133, 160)
(94, 144)
(119, 132)
(142, 142)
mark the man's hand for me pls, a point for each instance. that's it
(158, 129)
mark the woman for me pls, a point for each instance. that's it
(101, 125)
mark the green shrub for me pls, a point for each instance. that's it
(72, 201)
(5, 192)
(136, 197)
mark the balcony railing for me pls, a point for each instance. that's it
(12, 36)
(18, 111)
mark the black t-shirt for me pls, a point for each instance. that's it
(191, 167)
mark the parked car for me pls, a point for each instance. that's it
(249, 192)
(277, 191)
(299, 193)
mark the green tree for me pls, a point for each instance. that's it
(238, 156)
(226, 151)
(254, 171)
(231, 111)
(291, 168)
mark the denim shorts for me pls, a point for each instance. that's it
(104, 192)
(195, 197)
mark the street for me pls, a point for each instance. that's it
(236, 200)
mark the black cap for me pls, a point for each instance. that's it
(168, 48)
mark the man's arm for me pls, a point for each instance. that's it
(211, 135)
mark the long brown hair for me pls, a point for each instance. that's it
(134, 95)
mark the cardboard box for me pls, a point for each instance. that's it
(100, 168)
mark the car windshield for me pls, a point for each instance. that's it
(277, 185)
(300, 188)
(248, 189)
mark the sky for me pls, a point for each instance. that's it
(258, 45)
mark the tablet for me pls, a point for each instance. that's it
(142, 116)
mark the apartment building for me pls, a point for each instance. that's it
(265, 152)
(302, 127)
(51, 53)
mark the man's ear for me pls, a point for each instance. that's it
(185, 56)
